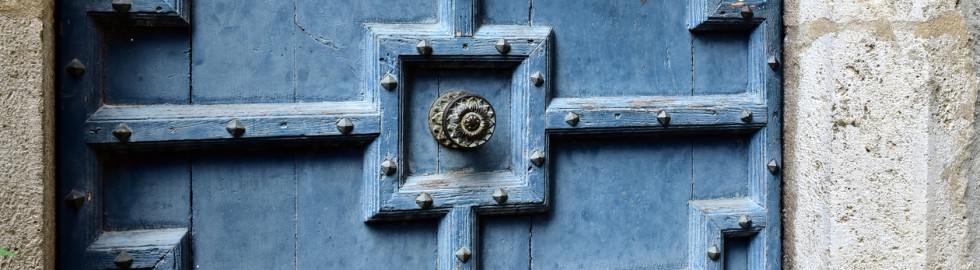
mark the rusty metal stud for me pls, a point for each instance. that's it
(571, 119)
(389, 82)
(235, 128)
(747, 13)
(773, 166)
(388, 167)
(345, 126)
(122, 132)
(537, 157)
(463, 254)
(746, 116)
(773, 63)
(502, 46)
(75, 68)
(424, 200)
(744, 222)
(75, 199)
(424, 47)
(122, 5)
(713, 252)
(537, 79)
(123, 260)
(499, 195)
(663, 117)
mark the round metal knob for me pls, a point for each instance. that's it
(461, 120)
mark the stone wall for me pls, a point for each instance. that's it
(27, 134)
(880, 102)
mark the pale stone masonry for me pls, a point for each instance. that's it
(27, 196)
(880, 134)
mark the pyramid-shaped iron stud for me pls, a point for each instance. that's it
(75, 199)
(388, 167)
(424, 47)
(537, 78)
(664, 118)
(744, 222)
(122, 132)
(571, 119)
(773, 63)
(235, 128)
(502, 45)
(499, 195)
(747, 13)
(423, 200)
(463, 254)
(75, 68)
(389, 82)
(345, 126)
(713, 252)
(537, 157)
(123, 260)
(122, 5)
(773, 166)
(745, 116)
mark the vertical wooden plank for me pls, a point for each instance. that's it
(721, 63)
(505, 12)
(147, 65)
(720, 167)
(459, 15)
(618, 203)
(244, 211)
(505, 242)
(458, 230)
(736, 253)
(330, 233)
(328, 38)
(146, 191)
(243, 51)
(650, 53)
(421, 89)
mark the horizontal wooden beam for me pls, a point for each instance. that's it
(639, 114)
(190, 123)
(144, 249)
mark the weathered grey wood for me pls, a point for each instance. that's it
(639, 114)
(150, 249)
(148, 190)
(713, 221)
(244, 210)
(726, 15)
(181, 123)
(458, 230)
(147, 65)
(147, 13)
(721, 61)
(330, 233)
(617, 48)
(617, 202)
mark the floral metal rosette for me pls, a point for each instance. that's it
(461, 120)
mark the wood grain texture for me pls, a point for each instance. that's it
(726, 15)
(625, 191)
(177, 124)
(144, 13)
(151, 249)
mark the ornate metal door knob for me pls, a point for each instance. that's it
(461, 120)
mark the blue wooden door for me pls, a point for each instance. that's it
(419, 134)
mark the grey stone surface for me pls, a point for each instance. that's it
(26, 134)
(880, 109)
